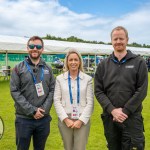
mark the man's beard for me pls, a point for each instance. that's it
(34, 58)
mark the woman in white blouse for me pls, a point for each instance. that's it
(74, 101)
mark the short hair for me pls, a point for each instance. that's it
(73, 51)
(120, 28)
(33, 38)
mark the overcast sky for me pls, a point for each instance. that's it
(86, 19)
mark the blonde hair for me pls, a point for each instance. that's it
(73, 51)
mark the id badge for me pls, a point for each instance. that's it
(39, 89)
(75, 113)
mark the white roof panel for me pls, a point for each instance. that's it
(14, 44)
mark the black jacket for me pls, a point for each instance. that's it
(121, 84)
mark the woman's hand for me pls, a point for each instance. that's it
(69, 123)
(77, 124)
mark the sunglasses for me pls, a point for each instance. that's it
(32, 46)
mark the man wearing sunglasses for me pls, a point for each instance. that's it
(32, 87)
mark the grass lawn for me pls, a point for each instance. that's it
(96, 139)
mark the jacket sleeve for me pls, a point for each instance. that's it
(16, 94)
(141, 90)
(99, 89)
(49, 99)
(86, 114)
(58, 101)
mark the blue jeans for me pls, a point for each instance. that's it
(27, 128)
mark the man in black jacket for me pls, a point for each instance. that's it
(32, 87)
(121, 83)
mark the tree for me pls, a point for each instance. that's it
(75, 39)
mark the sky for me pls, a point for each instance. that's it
(85, 19)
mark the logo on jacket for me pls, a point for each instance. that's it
(129, 66)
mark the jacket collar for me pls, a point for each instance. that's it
(128, 56)
(81, 75)
(41, 63)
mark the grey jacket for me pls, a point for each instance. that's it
(23, 89)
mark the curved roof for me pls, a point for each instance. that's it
(14, 44)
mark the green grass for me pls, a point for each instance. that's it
(96, 139)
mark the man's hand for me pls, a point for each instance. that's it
(118, 115)
(39, 113)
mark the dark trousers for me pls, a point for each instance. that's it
(27, 128)
(124, 136)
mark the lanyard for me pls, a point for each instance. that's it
(70, 91)
(34, 79)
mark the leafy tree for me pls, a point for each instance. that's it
(75, 39)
